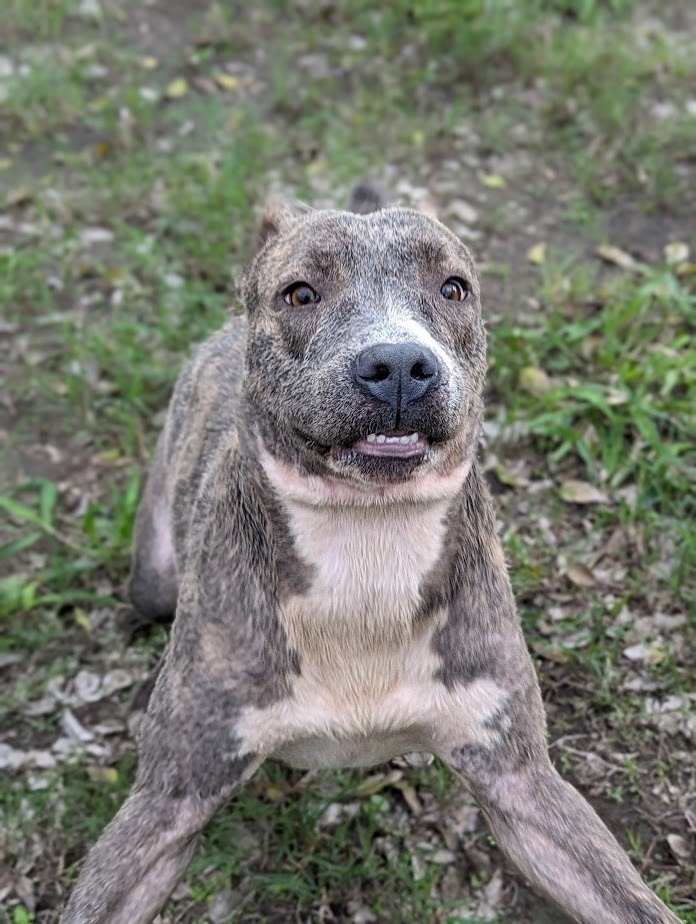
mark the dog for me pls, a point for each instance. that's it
(316, 517)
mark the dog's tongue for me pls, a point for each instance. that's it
(392, 443)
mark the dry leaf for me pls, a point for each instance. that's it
(418, 759)
(615, 255)
(494, 181)
(103, 774)
(537, 253)
(581, 492)
(644, 654)
(410, 796)
(373, 784)
(581, 575)
(82, 619)
(91, 236)
(534, 381)
(679, 846)
(463, 211)
(101, 149)
(686, 269)
(676, 252)
(513, 473)
(177, 88)
(227, 81)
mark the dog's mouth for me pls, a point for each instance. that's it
(392, 444)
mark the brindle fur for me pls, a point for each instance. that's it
(333, 608)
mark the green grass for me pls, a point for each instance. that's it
(620, 395)
(94, 334)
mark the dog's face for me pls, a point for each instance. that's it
(366, 349)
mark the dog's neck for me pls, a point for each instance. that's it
(369, 553)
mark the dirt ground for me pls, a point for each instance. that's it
(137, 142)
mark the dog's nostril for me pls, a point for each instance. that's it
(421, 372)
(381, 373)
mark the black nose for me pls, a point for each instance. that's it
(397, 373)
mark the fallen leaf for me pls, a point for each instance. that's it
(74, 728)
(580, 575)
(418, 866)
(374, 784)
(513, 473)
(177, 88)
(148, 63)
(534, 381)
(43, 706)
(7, 659)
(494, 181)
(410, 796)
(82, 619)
(615, 255)
(676, 252)
(443, 857)
(101, 149)
(103, 774)
(679, 846)
(226, 81)
(537, 253)
(463, 211)
(418, 759)
(581, 492)
(686, 269)
(89, 236)
(644, 654)
(19, 196)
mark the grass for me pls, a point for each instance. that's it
(129, 208)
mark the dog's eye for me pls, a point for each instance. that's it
(299, 294)
(455, 289)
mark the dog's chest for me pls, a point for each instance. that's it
(368, 566)
(366, 661)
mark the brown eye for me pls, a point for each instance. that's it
(299, 294)
(454, 289)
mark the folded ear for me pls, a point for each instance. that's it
(366, 197)
(277, 216)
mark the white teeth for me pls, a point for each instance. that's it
(402, 440)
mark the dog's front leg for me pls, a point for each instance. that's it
(191, 761)
(556, 839)
(140, 857)
(496, 744)
(190, 764)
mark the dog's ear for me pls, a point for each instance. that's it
(277, 216)
(365, 197)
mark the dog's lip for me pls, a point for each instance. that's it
(392, 444)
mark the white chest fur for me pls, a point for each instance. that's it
(369, 564)
(367, 690)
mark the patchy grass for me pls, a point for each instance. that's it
(137, 142)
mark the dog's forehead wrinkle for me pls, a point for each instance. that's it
(381, 242)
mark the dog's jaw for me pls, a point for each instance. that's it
(425, 486)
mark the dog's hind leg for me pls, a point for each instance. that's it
(153, 584)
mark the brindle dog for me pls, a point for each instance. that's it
(316, 517)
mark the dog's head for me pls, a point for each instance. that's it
(365, 358)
